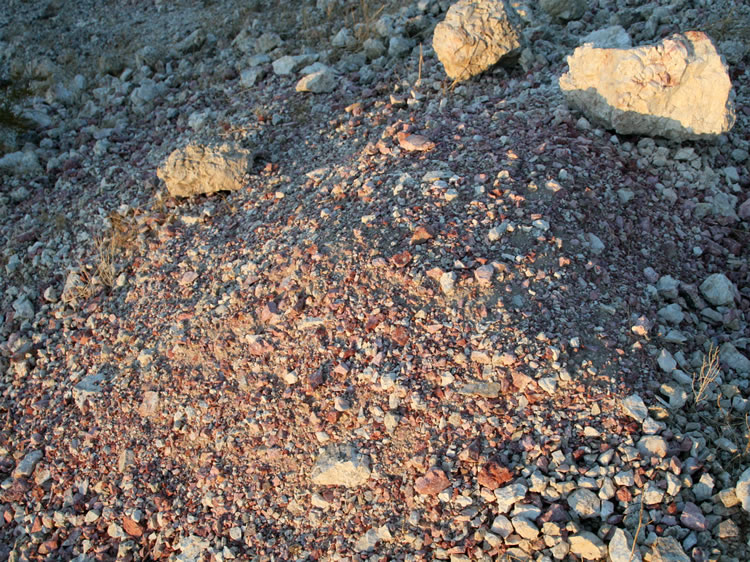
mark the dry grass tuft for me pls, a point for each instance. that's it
(703, 379)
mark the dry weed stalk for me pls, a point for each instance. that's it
(707, 375)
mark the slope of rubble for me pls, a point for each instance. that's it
(527, 342)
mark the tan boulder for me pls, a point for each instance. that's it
(198, 169)
(475, 35)
(678, 88)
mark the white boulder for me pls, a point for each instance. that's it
(678, 88)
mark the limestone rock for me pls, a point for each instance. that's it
(588, 546)
(621, 548)
(678, 88)
(613, 37)
(742, 490)
(718, 290)
(198, 169)
(667, 549)
(475, 35)
(584, 503)
(564, 9)
(341, 466)
(634, 407)
(322, 81)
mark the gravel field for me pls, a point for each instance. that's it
(439, 321)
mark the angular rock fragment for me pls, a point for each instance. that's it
(341, 466)
(433, 482)
(198, 169)
(588, 546)
(742, 490)
(667, 549)
(718, 290)
(320, 82)
(678, 88)
(475, 35)
(565, 10)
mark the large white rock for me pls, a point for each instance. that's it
(198, 169)
(742, 490)
(678, 88)
(475, 35)
(341, 466)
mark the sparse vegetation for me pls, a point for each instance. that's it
(704, 378)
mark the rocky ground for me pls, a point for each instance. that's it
(529, 342)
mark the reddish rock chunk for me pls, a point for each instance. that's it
(494, 475)
(432, 483)
(421, 235)
(131, 527)
(401, 259)
(400, 336)
(414, 143)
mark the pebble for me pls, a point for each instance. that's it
(341, 466)
(667, 549)
(666, 362)
(432, 483)
(525, 528)
(588, 546)
(509, 495)
(448, 282)
(692, 517)
(584, 503)
(653, 445)
(502, 526)
(718, 290)
(621, 549)
(26, 467)
(634, 407)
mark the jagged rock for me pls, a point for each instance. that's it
(341, 466)
(584, 503)
(667, 549)
(588, 546)
(564, 9)
(475, 35)
(613, 37)
(718, 290)
(433, 482)
(729, 356)
(25, 468)
(198, 169)
(621, 548)
(742, 490)
(322, 81)
(634, 407)
(678, 89)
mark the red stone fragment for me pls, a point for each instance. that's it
(421, 235)
(414, 143)
(400, 336)
(432, 483)
(624, 495)
(131, 527)
(401, 259)
(493, 475)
